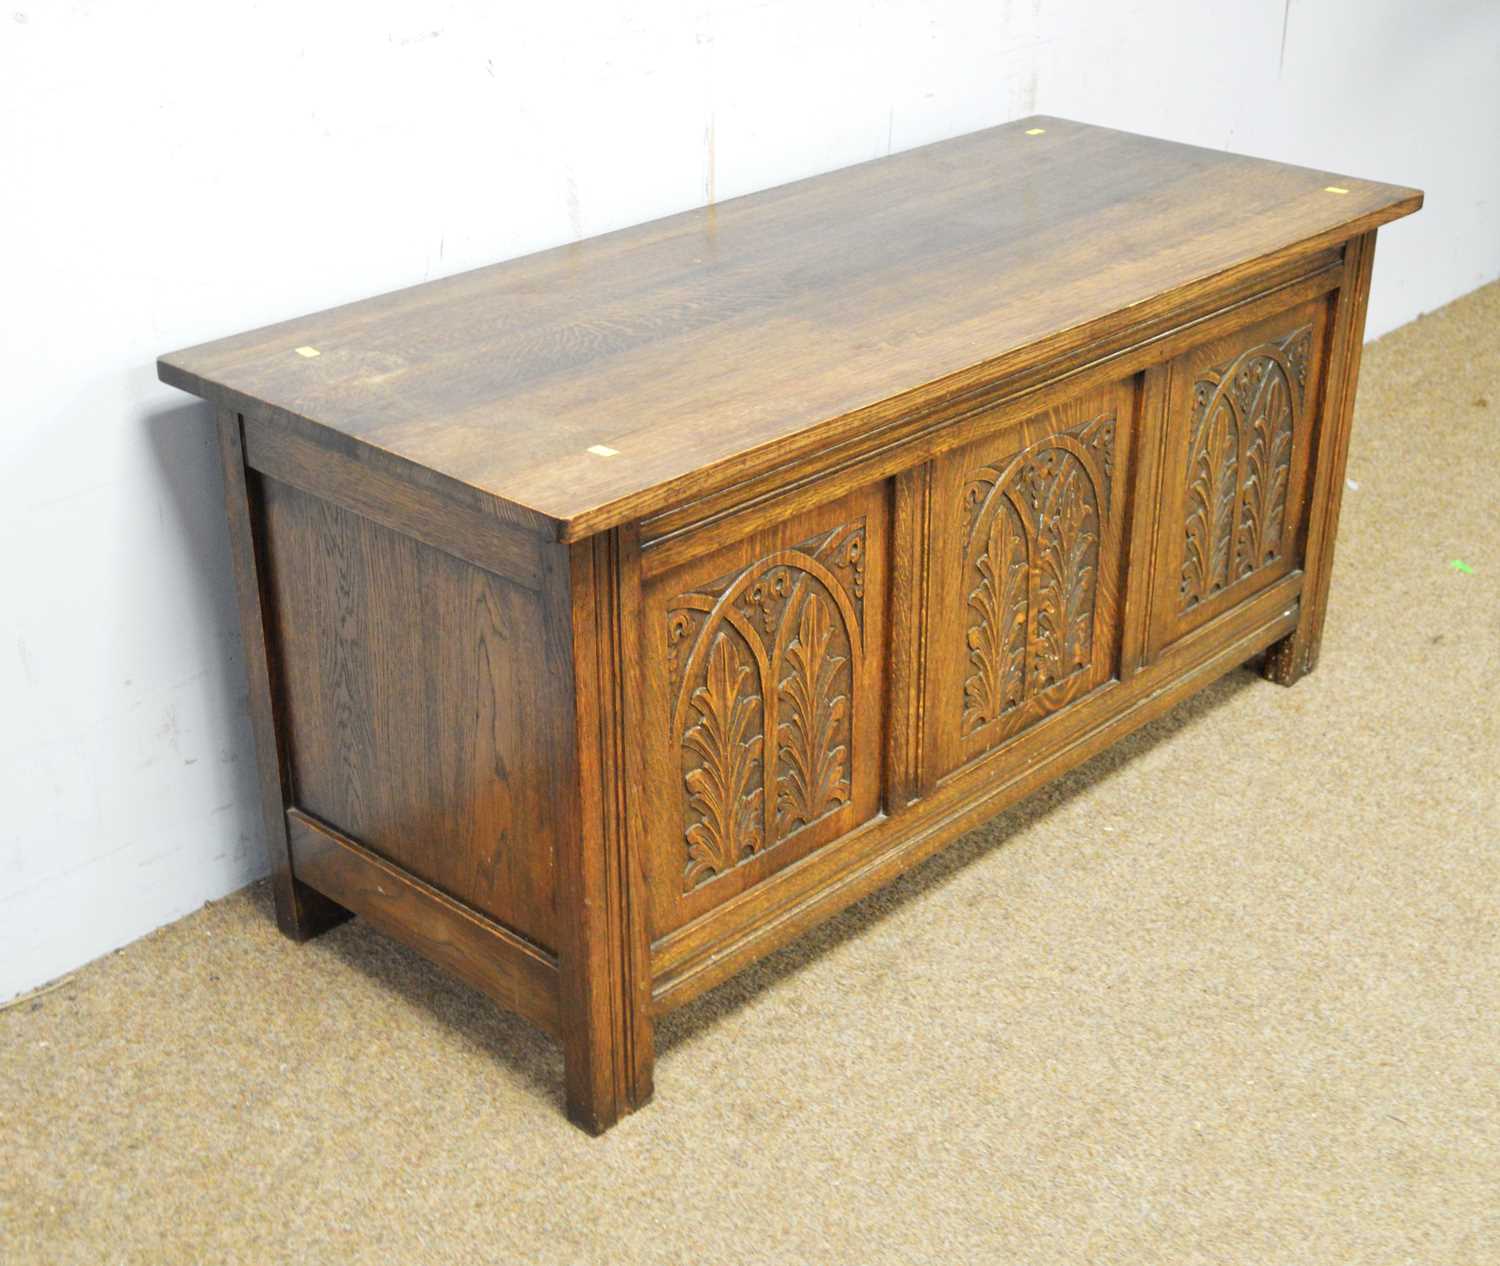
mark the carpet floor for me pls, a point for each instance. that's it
(1228, 993)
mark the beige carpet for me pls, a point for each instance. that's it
(1227, 994)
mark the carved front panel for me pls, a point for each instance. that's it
(1026, 544)
(763, 662)
(1240, 415)
(1032, 560)
(1245, 416)
(769, 703)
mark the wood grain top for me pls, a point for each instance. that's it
(692, 351)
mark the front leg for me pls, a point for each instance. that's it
(1296, 655)
(604, 954)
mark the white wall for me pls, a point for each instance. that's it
(173, 172)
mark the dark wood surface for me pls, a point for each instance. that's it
(791, 643)
(1027, 584)
(608, 1050)
(1293, 658)
(301, 912)
(766, 696)
(714, 343)
(1238, 435)
(421, 719)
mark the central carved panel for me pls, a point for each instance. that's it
(762, 665)
(1239, 460)
(1034, 525)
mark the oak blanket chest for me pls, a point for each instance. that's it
(616, 613)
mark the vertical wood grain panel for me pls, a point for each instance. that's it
(422, 721)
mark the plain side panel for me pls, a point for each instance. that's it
(421, 714)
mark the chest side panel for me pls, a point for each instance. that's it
(424, 703)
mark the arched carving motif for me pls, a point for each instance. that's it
(762, 665)
(1033, 529)
(1246, 414)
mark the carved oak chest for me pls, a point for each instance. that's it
(614, 614)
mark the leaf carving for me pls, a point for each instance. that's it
(1067, 557)
(764, 662)
(997, 629)
(723, 787)
(1036, 555)
(1213, 470)
(1235, 506)
(811, 780)
(1268, 465)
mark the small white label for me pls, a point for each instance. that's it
(308, 352)
(603, 450)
